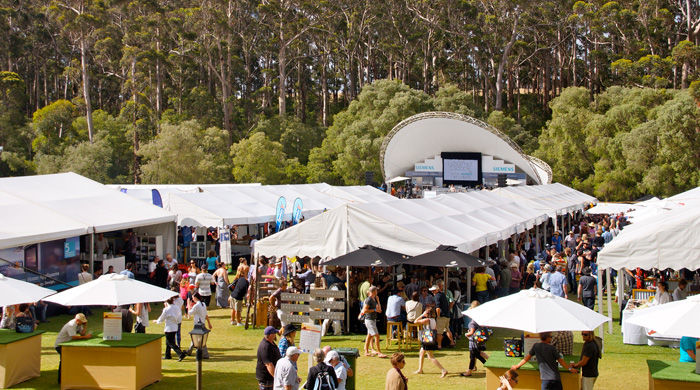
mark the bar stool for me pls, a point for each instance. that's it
(389, 333)
(410, 329)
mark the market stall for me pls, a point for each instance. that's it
(131, 363)
(529, 374)
(20, 356)
(672, 375)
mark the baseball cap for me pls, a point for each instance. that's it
(271, 330)
(292, 351)
(435, 287)
(331, 355)
(81, 317)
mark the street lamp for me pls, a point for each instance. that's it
(199, 336)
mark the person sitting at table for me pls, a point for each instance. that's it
(413, 307)
(680, 293)
(75, 329)
(662, 295)
(25, 315)
(8, 317)
(687, 349)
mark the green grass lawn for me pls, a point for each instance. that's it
(233, 349)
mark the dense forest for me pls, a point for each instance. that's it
(286, 91)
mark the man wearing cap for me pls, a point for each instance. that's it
(75, 329)
(341, 372)
(286, 377)
(268, 355)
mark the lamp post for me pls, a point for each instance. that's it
(199, 336)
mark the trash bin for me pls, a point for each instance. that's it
(351, 355)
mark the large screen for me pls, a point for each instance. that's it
(461, 168)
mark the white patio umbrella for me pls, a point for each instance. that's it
(679, 318)
(111, 290)
(535, 310)
(14, 292)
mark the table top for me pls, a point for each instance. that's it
(129, 340)
(498, 360)
(673, 370)
(8, 336)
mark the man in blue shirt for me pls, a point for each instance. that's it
(557, 283)
(127, 271)
(688, 349)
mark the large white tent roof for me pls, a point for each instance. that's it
(552, 199)
(467, 221)
(50, 207)
(610, 208)
(218, 205)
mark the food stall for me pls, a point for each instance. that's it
(672, 375)
(529, 374)
(20, 356)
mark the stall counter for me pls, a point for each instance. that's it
(528, 374)
(672, 375)
(133, 362)
(20, 356)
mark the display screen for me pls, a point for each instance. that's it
(461, 168)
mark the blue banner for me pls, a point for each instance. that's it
(296, 211)
(122, 190)
(157, 200)
(281, 208)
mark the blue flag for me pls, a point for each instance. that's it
(296, 211)
(157, 200)
(281, 208)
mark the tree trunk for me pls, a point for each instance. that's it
(137, 159)
(86, 88)
(282, 61)
(501, 66)
(324, 92)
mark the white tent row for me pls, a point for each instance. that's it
(467, 221)
(658, 207)
(219, 205)
(50, 207)
(610, 208)
(552, 199)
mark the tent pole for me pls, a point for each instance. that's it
(610, 315)
(347, 299)
(469, 284)
(257, 291)
(446, 279)
(600, 303)
(537, 238)
(92, 252)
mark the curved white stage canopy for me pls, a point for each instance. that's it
(428, 134)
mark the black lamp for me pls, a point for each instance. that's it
(199, 336)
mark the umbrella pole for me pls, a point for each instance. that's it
(347, 299)
(600, 303)
(469, 284)
(92, 252)
(610, 315)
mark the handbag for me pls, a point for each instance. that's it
(482, 335)
(513, 347)
(24, 325)
(428, 339)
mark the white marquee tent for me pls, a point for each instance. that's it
(467, 221)
(50, 207)
(552, 199)
(610, 208)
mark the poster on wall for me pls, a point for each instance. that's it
(54, 264)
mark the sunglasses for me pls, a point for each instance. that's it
(586, 334)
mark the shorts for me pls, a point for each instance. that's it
(371, 327)
(588, 382)
(442, 324)
(238, 305)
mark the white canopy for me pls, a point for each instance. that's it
(467, 221)
(15, 291)
(219, 205)
(49, 207)
(670, 241)
(111, 290)
(552, 199)
(610, 208)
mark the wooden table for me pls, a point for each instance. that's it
(528, 374)
(20, 356)
(131, 363)
(672, 375)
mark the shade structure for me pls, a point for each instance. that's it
(14, 292)
(369, 256)
(535, 310)
(446, 256)
(680, 318)
(111, 290)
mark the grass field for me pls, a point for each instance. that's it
(232, 362)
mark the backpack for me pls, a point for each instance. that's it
(324, 381)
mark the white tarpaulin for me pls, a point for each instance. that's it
(610, 208)
(552, 199)
(671, 240)
(467, 221)
(50, 207)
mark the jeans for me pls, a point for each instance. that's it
(572, 280)
(39, 311)
(474, 354)
(551, 385)
(589, 302)
(482, 296)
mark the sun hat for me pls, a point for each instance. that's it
(289, 328)
(292, 351)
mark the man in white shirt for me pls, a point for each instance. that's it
(286, 377)
(341, 372)
(680, 293)
(169, 261)
(203, 282)
(74, 329)
(172, 316)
